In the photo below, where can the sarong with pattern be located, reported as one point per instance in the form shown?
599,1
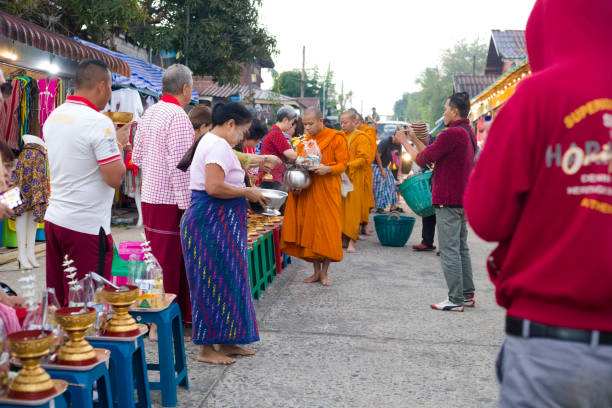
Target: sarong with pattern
213,237
384,188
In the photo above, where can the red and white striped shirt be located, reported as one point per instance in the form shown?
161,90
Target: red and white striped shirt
165,133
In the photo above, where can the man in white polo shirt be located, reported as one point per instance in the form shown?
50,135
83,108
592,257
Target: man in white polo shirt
86,166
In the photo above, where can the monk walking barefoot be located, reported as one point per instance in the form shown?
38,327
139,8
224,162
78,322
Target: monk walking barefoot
312,226
358,165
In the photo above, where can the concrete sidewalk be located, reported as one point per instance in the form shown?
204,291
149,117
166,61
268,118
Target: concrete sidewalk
371,340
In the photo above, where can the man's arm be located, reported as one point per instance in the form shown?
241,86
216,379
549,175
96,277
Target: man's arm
290,155
113,173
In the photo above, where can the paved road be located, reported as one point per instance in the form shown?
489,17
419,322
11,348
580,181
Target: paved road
371,340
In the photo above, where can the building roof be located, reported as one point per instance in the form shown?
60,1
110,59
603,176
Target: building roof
207,88
510,44
310,102
472,84
142,74
17,29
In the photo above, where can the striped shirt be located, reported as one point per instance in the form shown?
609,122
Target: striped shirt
165,133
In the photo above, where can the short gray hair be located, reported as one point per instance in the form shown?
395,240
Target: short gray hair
285,111
174,78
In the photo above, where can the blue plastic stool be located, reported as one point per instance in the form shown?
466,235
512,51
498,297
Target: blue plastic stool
82,395
286,260
128,372
172,367
57,402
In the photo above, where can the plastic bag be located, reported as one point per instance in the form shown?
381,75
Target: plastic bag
310,155
346,186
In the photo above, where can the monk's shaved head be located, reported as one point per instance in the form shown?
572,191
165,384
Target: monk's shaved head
351,113
313,121
314,111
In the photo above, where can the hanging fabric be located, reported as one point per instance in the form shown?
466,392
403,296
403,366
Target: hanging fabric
47,90
11,116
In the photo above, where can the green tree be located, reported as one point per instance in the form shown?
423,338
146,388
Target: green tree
436,83
288,83
93,20
214,37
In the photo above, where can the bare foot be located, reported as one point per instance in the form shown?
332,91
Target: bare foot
153,333
233,350
208,355
369,232
186,339
360,238
314,278
326,282
351,247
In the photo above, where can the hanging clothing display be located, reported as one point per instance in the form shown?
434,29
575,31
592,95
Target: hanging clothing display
11,116
31,176
126,100
47,88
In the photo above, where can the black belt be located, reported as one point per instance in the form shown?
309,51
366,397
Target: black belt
529,329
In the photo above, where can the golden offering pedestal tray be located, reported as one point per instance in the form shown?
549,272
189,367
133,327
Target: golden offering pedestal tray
122,324
76,321
32,381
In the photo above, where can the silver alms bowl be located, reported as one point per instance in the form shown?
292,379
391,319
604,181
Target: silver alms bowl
276,199
297,179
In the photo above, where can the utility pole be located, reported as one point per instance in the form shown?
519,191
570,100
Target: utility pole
342,97
303,71
325,91
473,65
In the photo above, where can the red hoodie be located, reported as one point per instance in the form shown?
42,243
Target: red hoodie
542,186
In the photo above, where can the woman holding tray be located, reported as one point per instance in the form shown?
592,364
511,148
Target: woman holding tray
214,241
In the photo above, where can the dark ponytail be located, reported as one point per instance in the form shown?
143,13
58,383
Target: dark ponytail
223,112
461,102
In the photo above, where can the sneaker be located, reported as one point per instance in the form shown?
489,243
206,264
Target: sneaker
470,302
447,306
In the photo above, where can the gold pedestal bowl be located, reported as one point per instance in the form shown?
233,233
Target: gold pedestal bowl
75,321
122,324
32,381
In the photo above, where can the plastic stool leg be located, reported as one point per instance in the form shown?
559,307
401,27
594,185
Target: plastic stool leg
180,360
141,376
166,366
105,396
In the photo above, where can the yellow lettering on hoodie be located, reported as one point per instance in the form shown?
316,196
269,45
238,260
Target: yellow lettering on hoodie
588,109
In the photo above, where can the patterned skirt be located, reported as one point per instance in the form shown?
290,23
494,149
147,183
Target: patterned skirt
213,237
384,188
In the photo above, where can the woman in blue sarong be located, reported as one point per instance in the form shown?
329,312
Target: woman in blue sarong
214,241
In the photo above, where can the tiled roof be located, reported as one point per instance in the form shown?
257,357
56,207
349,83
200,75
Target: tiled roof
25,32
510,43
472,84
206,87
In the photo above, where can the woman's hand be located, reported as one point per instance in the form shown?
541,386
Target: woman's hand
255,195
123,134
5,211
383,172
269,162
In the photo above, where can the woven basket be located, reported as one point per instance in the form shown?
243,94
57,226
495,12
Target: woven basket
417,192
393,229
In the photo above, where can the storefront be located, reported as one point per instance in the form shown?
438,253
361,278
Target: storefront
486,105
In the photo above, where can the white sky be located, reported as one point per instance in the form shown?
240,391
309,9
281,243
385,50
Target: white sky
379,47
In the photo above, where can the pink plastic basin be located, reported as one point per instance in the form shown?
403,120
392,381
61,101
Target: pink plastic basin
128,248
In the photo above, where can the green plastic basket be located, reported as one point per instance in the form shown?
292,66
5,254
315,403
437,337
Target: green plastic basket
393,229
417,192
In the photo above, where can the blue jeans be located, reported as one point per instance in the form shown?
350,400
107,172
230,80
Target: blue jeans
543,373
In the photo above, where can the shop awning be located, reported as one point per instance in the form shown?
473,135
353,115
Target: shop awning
19,30
143,75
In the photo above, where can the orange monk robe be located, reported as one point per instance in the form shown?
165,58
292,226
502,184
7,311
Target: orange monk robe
312,226
358,168
368,204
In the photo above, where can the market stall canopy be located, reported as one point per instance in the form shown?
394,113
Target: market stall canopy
25,34
143,74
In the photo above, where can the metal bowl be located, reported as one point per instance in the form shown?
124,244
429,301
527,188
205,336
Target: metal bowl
297,179
276,200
